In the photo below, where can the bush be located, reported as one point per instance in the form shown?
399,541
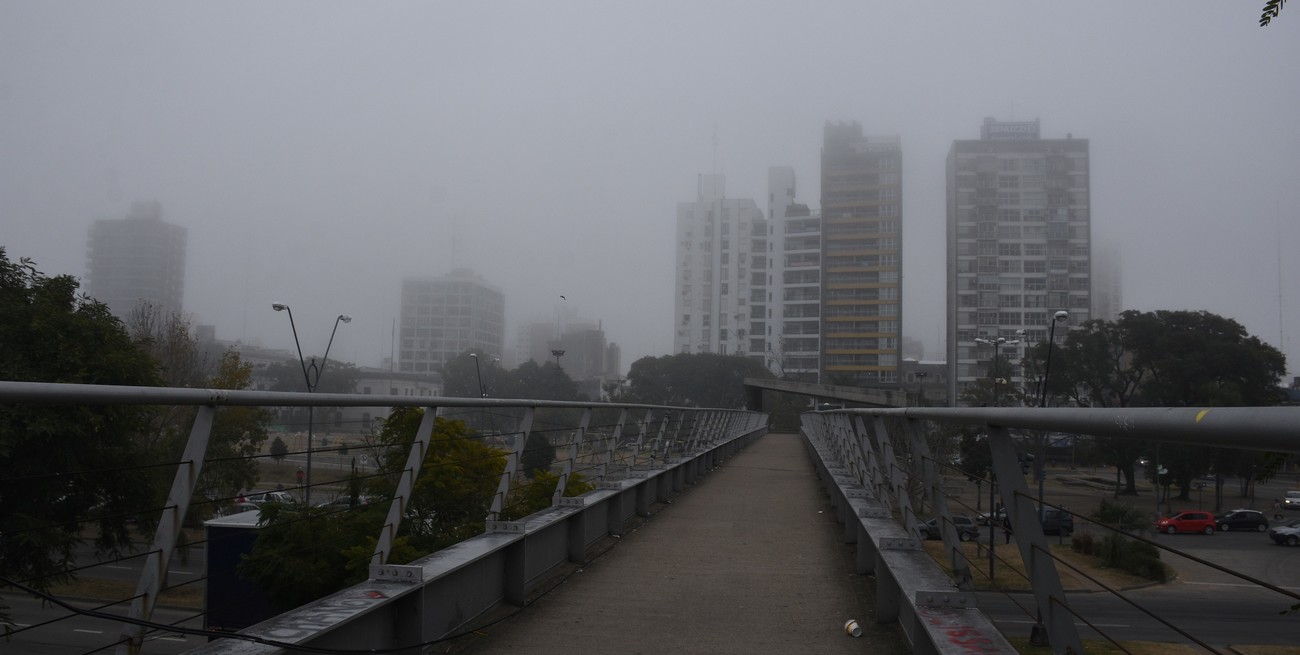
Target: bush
1140,559
1082,542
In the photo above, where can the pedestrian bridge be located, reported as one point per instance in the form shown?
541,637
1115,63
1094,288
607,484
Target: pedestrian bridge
704,533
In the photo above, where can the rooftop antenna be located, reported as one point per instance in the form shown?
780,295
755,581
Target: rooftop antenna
1281,325
715,149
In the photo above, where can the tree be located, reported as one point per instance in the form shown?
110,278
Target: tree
1271,9
976,461
693,380
459,476
538,455
279,450
63,465
237,435
1163,359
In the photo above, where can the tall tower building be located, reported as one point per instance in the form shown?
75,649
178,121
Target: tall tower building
137,259
445,317
861,257
1019,247
792,342
721,270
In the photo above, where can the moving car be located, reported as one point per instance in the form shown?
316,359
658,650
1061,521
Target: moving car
1287,534
967,530
1187,522
1242,519
1291,500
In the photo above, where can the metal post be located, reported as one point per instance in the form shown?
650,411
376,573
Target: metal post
154,572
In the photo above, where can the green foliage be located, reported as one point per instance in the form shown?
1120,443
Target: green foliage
453,493
1140,559
539,453
1121,516
304,553
693,380
50,490
1161,359
538,494
1271,9
237,435
279,450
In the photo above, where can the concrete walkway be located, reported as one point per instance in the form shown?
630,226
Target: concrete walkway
748,560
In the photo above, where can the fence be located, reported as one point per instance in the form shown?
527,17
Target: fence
876,465
627,457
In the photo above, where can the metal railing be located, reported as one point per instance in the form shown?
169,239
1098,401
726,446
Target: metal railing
876,465
632,455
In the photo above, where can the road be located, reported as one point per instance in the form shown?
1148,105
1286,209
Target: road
51,630
1214,606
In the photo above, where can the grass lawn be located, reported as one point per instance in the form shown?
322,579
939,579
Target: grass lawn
190,596
1009,569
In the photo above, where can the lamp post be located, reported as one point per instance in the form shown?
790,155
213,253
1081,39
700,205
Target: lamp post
920,388
311,376
482,391
997,347
558,353
1047,368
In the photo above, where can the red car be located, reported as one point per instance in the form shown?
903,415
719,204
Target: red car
1187,522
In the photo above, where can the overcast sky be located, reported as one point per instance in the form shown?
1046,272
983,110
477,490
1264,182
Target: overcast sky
318,152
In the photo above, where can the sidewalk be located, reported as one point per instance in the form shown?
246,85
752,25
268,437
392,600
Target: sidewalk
748,560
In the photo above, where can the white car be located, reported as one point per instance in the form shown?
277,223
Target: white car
270,497
1291,500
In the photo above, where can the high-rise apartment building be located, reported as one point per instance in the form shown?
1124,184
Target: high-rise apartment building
445,317
721,260
1019,247
861,257
137,259
791,340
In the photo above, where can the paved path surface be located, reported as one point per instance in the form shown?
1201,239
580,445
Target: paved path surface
748,560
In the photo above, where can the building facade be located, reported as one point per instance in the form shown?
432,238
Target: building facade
447,316
137,259
791,337
1019,248
721,258
861,257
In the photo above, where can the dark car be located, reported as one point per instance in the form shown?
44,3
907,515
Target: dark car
1056,521
967,529
1242,519
1287,534
1187,522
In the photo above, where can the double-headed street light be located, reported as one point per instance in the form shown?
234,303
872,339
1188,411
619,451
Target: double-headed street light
311,376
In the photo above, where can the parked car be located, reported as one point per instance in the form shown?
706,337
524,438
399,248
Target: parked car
239,508
345,502
1242,519
997,517
1287,534
1187,522
260,497
1056,521
1291,500
967,529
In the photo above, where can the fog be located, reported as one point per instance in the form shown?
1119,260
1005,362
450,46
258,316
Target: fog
318,152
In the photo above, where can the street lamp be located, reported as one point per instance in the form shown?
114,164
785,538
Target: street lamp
920,388
558,352
997,346
482,391
311,376
1047,368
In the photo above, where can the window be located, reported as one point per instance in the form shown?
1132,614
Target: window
1009,249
